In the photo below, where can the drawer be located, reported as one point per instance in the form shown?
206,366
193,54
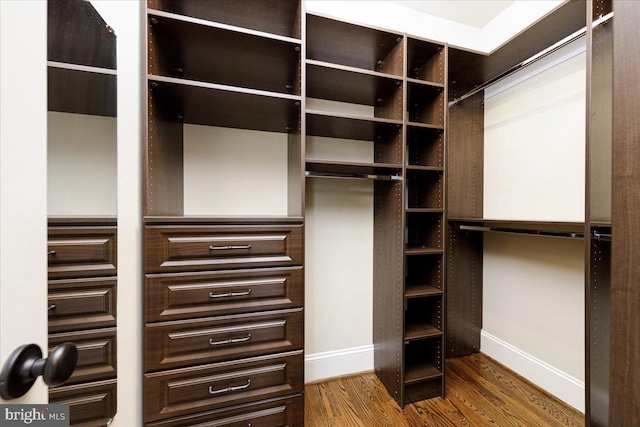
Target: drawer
82,251
184,248
81,304
181,343
189,390
92,404
186,295
96,353
288,411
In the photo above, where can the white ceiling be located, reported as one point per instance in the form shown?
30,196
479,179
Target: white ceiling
475,13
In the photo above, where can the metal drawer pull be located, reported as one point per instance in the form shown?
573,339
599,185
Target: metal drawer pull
230,340
230,389
228,248
230,294
51,252
51,307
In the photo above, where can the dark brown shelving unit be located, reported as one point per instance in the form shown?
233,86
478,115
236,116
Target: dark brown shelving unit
424,216
465,169
236,65
82,249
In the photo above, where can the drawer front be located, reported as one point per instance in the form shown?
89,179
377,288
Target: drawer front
181,296
186,391
287,411
96,353
81,304
181,343
82,251
92,404
183,248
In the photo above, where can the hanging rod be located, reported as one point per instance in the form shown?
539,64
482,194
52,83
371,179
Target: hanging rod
544,233
603,237
535,58
314,174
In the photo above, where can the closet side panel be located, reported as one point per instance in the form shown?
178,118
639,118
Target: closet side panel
388,330
625,289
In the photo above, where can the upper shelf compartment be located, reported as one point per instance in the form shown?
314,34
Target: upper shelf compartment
426,61
194,49
353,45
278,17
76,34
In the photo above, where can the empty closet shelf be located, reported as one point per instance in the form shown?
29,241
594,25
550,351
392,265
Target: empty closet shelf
418,331
383,171
421,372
335,125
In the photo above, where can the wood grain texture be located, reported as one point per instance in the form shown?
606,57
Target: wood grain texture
625,269
464,292
91,404
479,392
388,297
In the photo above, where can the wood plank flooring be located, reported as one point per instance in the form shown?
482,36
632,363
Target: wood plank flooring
479,392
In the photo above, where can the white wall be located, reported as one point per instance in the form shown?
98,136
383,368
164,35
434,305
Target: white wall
23,181
533,300
516,17
82,164
534,141
212,175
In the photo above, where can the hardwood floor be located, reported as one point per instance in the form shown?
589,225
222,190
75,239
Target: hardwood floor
479,392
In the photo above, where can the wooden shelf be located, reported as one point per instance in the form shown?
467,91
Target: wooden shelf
274,17
197,219
225,106
353,168
353,45
424,210
421,290
436,86
94,220
424,125
415,373
349,84
71,89
422,251
561,226
419,168
243,58
420,331
345,126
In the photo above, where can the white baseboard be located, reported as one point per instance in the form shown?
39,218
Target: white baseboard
329,364
565,387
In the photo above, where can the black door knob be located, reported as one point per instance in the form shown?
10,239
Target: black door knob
26,364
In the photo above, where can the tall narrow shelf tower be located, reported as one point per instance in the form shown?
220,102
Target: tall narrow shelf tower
224,282
424,216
